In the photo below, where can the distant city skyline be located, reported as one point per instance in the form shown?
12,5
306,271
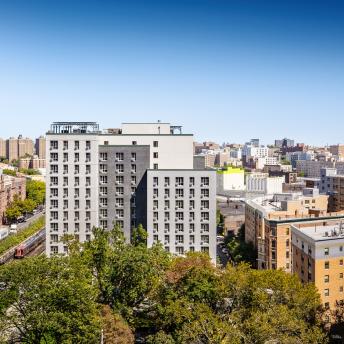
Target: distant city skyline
224,70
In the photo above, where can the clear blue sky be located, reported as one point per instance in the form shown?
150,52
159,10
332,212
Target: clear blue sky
225,70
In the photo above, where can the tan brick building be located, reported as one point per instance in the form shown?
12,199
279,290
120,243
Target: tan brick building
40,147
337,150
9,187
318,257
2,148
18,147
268,221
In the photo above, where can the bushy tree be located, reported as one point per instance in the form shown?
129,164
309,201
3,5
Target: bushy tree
48,300
35,190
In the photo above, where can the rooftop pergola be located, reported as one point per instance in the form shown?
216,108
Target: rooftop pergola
74,127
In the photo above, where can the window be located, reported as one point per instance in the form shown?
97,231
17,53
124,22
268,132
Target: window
155,144
205,204
76,145
205,227
76,157
192,204
119,168
103,179
119,202
54,157
167,192
205,239
54,203
119,191
119,156
180,250
167,239
192,239
76,181
103,191
341,262
119,213
133,168
167,181
133,156
88,145
179,193
341,248
119,180
54,169
179,239
180,204
192,192
54,238
205,181
53,145
327,265
326,251
327,292
326,278
155,192
179,181
180,227
103,168
54,192
88,157
106,143
341,289
134,143
103,156
103,202
341,275
204,192
155,167
192,181
179,215
204,216
155,181
155,155
167,204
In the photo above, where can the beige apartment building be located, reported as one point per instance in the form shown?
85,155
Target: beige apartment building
337,150
33,162
268,221
2,148
40,147
18,147
318,257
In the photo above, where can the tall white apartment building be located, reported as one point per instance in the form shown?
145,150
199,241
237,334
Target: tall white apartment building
102,178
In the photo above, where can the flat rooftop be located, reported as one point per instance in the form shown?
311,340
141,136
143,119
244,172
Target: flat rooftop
321,233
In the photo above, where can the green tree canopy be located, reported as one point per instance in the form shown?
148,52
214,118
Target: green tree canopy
48,301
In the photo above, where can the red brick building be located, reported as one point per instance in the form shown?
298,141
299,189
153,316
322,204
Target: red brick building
9,187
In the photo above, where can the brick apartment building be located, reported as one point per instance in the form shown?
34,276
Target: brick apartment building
9,187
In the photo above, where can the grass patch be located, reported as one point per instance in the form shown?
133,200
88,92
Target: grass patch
16,239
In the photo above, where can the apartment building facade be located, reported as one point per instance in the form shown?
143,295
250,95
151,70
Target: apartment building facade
9,188
181,210
318,257
100,178
268,221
